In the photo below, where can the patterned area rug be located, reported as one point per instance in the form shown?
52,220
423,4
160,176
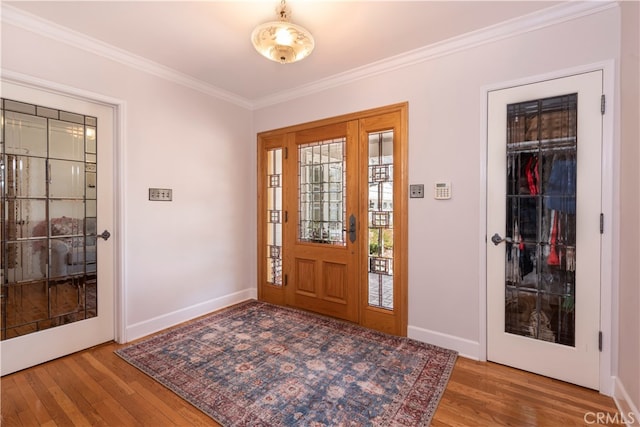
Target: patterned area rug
257,364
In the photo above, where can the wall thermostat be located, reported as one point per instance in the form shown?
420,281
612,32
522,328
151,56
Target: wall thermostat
442,190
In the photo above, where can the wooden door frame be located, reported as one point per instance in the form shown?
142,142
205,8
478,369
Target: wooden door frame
280,138
610,199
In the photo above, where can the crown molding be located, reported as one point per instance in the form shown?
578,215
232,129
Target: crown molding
35,24
554,15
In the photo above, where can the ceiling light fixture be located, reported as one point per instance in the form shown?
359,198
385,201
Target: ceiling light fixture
282,41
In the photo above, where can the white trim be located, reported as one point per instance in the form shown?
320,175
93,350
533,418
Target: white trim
544,18
159,323
560,13
121,223
49,29
625,404
465,347
610,258
482,226
609,197
119,159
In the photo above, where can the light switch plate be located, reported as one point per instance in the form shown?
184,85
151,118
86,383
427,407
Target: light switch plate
160,194
416,191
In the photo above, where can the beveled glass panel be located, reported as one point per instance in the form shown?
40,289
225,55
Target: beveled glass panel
66,217
274,216
541,219
46,258
25,304
66,140
91,254
90,141
91,298
66,257
66,179
91,190
26,260
66,298
91,225
20,107
25,177
322,192
380,220
72,117
92,208
47,112
25,134
25,218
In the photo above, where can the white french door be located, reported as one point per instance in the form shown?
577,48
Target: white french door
543,222
57,164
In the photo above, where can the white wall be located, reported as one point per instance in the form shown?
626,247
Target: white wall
189,256
198,252
629,315
445,142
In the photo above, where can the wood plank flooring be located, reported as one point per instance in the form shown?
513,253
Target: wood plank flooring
97,388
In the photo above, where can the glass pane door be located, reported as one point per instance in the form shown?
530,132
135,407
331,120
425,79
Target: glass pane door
541,254
48,220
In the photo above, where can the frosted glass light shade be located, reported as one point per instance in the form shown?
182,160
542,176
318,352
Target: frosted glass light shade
282,41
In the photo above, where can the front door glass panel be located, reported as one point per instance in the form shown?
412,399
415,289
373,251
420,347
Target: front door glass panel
322,192
540,286
48,218
274,217
380,219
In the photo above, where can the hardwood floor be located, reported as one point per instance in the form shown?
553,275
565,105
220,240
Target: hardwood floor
97,388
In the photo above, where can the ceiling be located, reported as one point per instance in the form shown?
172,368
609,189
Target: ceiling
210,40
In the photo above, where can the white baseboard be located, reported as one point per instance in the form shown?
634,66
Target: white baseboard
147,327
464,347
628,410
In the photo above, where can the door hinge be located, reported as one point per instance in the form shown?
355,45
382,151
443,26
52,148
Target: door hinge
285,280
285,152
603,103
286,216
600,340
601,223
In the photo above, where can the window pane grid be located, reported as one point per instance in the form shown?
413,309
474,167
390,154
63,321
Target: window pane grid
380,220
322,192
540,287
274,217
48,218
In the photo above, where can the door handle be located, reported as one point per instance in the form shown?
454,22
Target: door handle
496,239
352,228
105,235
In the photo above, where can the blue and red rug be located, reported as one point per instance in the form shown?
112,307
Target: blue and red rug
257,364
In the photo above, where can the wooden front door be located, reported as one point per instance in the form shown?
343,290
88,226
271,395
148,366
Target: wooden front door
332,223
321,231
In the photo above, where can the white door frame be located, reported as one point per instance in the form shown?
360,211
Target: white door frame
119,108
610,199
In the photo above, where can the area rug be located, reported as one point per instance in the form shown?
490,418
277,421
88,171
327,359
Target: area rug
257,364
